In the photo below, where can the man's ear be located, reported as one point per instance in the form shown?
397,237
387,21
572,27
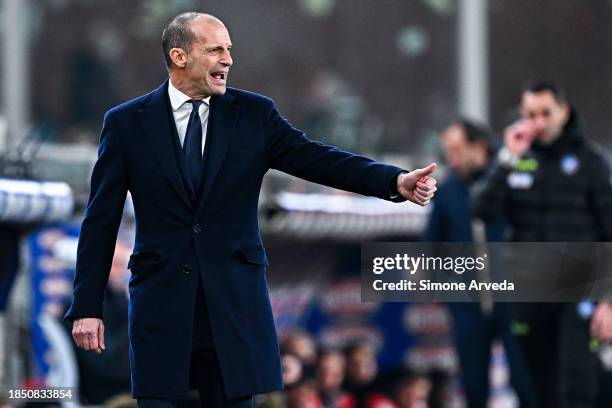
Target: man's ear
178,57
477,154
566,111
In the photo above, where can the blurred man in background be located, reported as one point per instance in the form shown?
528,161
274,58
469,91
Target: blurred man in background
551,185
466,152
467,148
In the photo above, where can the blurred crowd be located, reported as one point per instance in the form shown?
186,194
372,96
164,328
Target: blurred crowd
346,378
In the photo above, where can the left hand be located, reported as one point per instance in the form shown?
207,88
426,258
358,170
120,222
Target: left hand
417,186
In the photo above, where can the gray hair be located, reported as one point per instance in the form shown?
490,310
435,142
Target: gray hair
178,33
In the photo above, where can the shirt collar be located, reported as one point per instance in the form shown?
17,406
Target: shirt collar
178,99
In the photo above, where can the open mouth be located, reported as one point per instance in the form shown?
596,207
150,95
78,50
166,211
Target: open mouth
219,76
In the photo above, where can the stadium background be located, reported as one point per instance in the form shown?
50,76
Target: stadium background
380,78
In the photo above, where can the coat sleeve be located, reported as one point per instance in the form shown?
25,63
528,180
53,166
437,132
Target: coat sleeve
600,196
98,234
489,199
290,151
436,224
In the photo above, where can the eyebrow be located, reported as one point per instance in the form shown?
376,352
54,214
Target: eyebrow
216,47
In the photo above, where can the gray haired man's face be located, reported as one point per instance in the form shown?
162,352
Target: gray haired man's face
209,60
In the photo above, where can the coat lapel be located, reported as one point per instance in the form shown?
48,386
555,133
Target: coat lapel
221,125
155,119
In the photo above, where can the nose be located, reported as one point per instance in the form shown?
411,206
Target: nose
540,123
226,59
452,160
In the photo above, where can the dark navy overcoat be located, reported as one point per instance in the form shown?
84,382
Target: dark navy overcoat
216,235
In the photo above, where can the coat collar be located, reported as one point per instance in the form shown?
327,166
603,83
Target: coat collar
156,120
178,99
224,111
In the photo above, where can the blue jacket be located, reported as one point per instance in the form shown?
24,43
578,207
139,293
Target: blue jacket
451,216
216,235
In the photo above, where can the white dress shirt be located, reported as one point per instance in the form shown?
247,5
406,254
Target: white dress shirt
181,109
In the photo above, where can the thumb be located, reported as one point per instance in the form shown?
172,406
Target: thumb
101,336
426,171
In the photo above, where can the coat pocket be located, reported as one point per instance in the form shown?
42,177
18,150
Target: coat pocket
254,255
141,258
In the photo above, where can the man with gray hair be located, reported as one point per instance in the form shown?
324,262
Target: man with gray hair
193,154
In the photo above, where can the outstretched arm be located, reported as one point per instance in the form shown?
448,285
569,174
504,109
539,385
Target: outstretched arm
289,150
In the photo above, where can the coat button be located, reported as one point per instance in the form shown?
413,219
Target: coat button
197,228
186,269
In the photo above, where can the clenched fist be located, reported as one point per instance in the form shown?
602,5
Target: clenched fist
519,136
417,186
88,334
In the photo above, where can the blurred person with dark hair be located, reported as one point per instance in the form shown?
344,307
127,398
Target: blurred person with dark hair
361,365
301,344
569,174
552,185
413,391
303,395
193,154
467,150
361,375
330,374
